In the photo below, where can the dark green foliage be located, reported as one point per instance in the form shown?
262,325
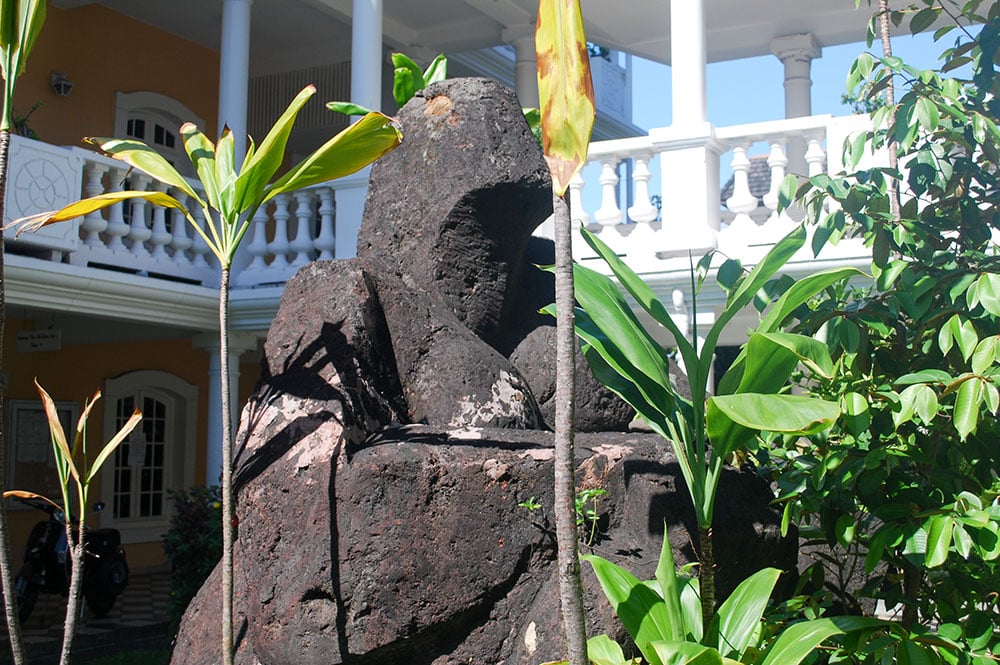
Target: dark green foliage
193,544
910,474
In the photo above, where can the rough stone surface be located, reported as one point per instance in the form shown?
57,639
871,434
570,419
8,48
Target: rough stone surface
460,228
597,408
427,558
451,377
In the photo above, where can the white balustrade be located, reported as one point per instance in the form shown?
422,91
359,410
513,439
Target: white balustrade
326,239
302,244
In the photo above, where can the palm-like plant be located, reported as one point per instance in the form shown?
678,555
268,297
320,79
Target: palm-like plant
20,24
232,194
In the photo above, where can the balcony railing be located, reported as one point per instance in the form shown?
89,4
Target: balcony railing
616,197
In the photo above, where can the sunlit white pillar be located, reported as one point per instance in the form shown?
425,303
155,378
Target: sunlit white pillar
796,53
366,54
688,59
525,64
239,343
234,71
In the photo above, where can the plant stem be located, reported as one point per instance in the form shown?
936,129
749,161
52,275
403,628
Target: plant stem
6,566
75,584
567,557
227,472
706,574
890,101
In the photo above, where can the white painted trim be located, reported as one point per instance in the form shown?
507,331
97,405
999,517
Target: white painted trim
145,100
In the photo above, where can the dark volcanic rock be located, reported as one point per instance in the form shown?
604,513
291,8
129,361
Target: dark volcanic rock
429,559
460,228
597,408
450,377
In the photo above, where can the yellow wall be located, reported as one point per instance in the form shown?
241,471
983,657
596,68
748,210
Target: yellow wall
103,52
74,372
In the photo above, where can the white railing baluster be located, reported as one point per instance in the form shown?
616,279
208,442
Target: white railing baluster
159,237
93,223
643,210
138,232
326,239
180,235
302,244
279,246
777,160
815,157
257,247
609,214
117,228
576,209
199,248
742,202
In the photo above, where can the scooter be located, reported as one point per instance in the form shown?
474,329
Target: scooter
47,566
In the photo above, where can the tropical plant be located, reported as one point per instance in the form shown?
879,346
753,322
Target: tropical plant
193,544
234,193
76,472
407,79
20,24
751,397
910,473
566,93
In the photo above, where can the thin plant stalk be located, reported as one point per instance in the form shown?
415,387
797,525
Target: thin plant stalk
228,510
568,556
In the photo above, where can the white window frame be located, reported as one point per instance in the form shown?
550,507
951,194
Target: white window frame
156,107
179,458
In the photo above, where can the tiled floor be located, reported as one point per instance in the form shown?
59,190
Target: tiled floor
139,618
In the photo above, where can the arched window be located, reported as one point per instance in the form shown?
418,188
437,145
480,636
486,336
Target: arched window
155,119
157,456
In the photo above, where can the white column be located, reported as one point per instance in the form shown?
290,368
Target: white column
234,71
796,53
525,64
687,63
239,343
366,54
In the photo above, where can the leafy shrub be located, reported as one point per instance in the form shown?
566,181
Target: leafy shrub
193,544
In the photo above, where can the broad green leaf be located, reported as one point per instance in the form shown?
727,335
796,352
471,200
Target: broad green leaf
113,444
799,640
639,608
666,576
858,416
437,70
939,529
786,191
739,617
986,354
93,204
691,607
924,376
260,167
962,332
20,24
844,529
351,150
785,414
201,152
967,400
565,89
685,653
225,176
407,78
139,155
989,292
602,650
920,399
81,424
347,108
642,294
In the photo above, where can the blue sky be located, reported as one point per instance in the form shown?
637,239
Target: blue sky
751,90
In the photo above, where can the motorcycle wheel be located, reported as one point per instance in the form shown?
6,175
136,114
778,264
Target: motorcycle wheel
113,576
27,592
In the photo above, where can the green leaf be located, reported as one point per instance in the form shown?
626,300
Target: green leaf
564,88
639,608
922,20
602,650
966,412
930,375
93,204
939,529
786,414
347,108
986,354
857,415
739,617
60,445
407,78
845,529
139,155
201,152
666,577
797,641
927,114
113,444
989,292
351,150
20,24
225,176
437,70
260,167
786,191
686,653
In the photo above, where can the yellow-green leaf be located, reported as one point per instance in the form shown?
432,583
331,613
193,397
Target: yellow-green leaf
201,152
225,174
56,430
351,150
115,441
81,423
139,155
565,89
87,206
